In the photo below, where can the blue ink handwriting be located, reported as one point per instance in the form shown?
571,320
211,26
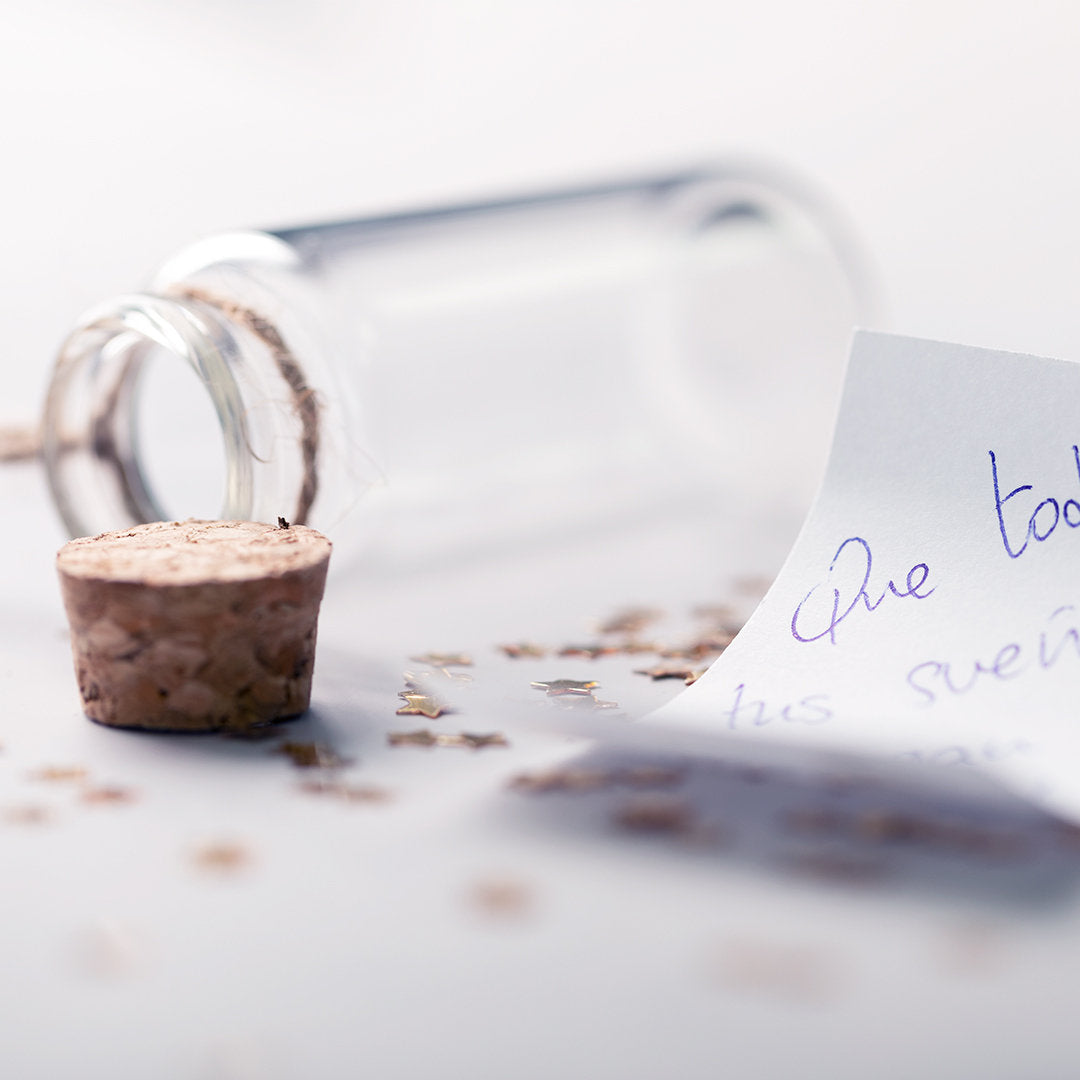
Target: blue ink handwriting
1043,520
825,613
934,679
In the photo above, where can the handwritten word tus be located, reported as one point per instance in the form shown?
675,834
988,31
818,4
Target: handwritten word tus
1043,520
823,608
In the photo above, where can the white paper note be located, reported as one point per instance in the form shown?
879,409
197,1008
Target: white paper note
930,608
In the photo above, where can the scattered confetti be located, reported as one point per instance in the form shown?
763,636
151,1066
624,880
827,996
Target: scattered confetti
701,648
589,652
19,444
753,585
466,739
579,778
523,650
107,795
417,680
29,814
650,776
715,613
630,621
418,704
311,755
222,856
501,897
352,793
655,814
634,647
666,671
60,774
444,660
587,700
557,687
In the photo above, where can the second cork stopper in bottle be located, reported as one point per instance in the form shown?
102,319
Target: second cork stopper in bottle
194,625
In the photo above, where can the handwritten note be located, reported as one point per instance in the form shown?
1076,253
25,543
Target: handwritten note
930,608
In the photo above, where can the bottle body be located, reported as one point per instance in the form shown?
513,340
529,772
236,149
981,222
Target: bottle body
467,376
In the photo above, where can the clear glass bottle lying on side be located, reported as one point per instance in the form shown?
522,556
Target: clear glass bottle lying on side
472,375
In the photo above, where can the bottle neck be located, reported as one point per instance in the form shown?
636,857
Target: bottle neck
124,383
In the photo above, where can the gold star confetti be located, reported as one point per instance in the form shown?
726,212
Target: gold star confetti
666,671
19,444
98,796
465,739
474,741
633,647
650,776
61,774
524,650
630,620
709,646
311,755
444,660
352,793
571,778
577,778
501,897
655,814
221,857
557,687
417,680
589,652
587,700
715,613
753,584
418,704
28,814
423,737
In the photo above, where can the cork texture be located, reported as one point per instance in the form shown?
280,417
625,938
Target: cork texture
195,625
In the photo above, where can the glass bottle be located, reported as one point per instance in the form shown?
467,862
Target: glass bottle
468,376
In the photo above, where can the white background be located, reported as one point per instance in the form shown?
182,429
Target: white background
944,131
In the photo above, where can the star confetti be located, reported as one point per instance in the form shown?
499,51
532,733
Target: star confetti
630,620
101,796
524,650
420,704
310,755
590,652
59,773
417,680
558,687
351,793
465,739
221,857
666,671
588,700
444,660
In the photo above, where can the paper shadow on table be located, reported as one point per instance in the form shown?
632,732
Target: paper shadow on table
911,828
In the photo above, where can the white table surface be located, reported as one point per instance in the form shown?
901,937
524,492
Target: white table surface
351,941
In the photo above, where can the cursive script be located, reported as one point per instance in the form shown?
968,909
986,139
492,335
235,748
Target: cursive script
819,614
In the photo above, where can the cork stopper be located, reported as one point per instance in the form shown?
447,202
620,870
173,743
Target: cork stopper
194,625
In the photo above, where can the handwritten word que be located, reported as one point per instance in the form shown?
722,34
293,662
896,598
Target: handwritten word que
1043,520
823,608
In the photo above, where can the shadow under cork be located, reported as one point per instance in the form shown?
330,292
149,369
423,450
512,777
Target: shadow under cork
855,830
